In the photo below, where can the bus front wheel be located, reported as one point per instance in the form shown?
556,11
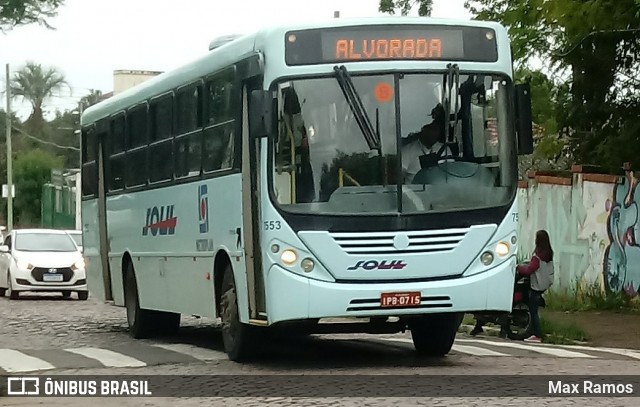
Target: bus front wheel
433,335
144,323
236,336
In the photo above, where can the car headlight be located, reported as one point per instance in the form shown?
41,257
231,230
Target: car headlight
24,264
78,264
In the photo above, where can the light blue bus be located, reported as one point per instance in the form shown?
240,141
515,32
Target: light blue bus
361,170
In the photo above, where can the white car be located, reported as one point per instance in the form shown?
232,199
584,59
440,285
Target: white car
41,260
77,237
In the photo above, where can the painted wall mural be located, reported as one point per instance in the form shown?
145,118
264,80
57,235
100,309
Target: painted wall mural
594,225
622,256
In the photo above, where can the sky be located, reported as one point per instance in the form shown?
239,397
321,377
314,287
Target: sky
92,38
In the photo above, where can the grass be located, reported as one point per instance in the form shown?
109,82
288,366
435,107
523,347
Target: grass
558,333
590,298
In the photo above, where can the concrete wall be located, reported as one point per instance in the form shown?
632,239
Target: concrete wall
592,220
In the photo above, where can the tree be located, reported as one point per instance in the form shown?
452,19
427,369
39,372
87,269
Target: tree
32,169
596,43
94,96
20,12
404,6
36,84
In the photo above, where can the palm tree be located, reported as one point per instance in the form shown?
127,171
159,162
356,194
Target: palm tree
36,84
94,96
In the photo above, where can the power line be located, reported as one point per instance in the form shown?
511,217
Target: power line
51,143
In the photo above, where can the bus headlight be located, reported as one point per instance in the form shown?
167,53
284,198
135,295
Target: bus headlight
289,257
486,258
502,249
307,265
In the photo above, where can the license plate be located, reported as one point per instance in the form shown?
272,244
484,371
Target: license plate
388,300
52,277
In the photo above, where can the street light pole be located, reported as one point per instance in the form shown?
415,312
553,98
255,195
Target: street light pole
9,158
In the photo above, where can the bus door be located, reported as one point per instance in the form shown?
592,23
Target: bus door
103,165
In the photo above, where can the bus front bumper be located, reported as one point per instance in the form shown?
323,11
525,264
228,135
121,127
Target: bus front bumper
293,297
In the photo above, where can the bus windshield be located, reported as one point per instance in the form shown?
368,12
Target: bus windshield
325,162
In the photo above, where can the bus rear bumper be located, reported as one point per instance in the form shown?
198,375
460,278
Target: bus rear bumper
294,297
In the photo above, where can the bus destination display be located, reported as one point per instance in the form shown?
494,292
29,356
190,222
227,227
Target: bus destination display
375,43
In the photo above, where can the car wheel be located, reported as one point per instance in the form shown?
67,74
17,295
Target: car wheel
14,295
83,295
66,294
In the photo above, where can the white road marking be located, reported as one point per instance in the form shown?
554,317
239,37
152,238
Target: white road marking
477,351
203,354
14,361
470,350
107,357
562,353
618,351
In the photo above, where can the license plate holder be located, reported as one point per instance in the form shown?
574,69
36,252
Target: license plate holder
404,299
53,278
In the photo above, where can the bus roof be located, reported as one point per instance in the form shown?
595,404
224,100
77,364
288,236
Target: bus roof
243,46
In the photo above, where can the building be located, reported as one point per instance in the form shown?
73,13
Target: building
125,79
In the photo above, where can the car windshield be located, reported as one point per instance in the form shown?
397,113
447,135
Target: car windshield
325,161
77,237
44,242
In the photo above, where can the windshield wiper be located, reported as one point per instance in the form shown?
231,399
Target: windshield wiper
451,78
371,136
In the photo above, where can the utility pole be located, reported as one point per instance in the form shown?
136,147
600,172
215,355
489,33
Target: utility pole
9,158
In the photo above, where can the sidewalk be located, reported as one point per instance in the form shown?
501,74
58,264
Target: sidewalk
604,328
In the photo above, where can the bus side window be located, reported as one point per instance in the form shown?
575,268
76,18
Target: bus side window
89,165
116,146
136,170
222,112
188,141
161,143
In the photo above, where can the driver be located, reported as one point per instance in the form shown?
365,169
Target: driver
427,142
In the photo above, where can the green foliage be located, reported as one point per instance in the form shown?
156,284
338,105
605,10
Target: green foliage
588,298
564,333
404,6
20,12
32,169
593,43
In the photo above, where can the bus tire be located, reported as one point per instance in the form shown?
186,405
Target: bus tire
141,321
433,335
236,336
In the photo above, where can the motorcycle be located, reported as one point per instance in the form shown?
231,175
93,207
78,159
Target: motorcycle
515,325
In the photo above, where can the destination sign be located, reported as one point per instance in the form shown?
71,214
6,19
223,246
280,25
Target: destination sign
397,42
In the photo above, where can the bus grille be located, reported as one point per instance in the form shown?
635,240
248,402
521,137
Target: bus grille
432,241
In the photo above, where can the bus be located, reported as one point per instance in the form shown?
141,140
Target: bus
349,176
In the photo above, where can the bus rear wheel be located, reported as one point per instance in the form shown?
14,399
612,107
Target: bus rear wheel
144,323
236,336
433,335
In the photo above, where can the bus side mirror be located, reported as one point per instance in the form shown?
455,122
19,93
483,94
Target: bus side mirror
259,113
524,126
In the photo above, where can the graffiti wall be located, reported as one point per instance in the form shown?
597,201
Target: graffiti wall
622,256
593,222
